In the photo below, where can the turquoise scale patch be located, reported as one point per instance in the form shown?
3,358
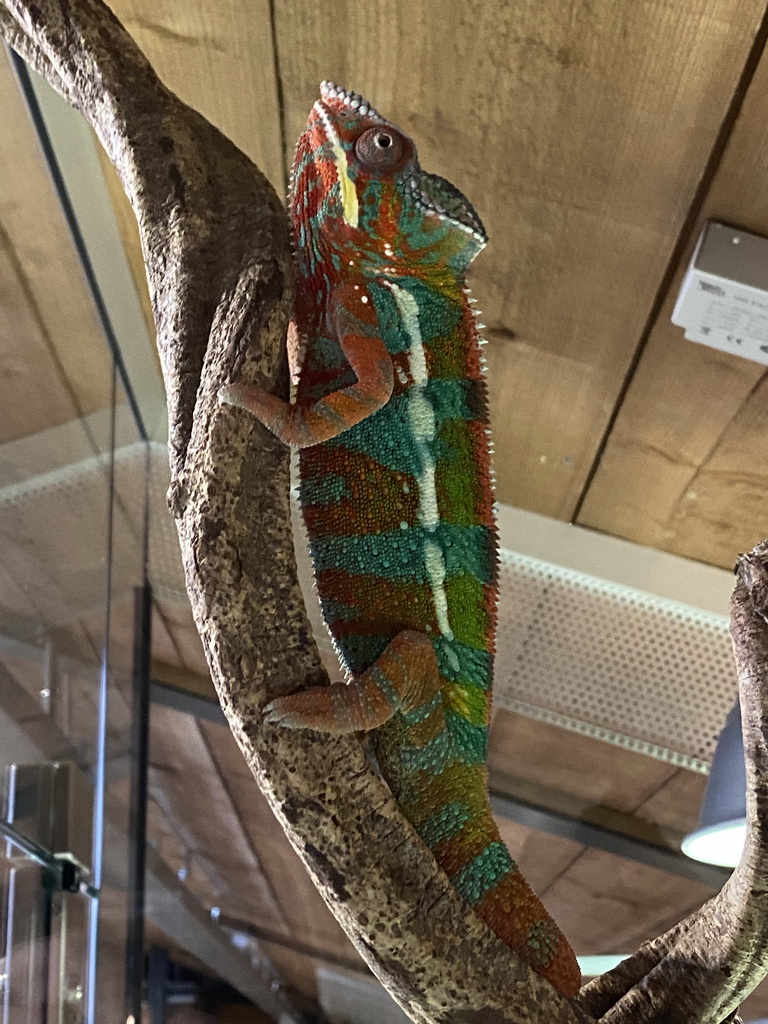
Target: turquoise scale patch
393,333
361,650
470,741
459,663
370,203
386,437
434,757
384,684
325,353
483,873
542,943
444,824
337,611
423,711
399,554
439,316
448,397
324,490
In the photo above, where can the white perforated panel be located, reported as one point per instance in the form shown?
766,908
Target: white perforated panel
615,663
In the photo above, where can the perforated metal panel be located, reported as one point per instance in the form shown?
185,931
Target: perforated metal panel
640,671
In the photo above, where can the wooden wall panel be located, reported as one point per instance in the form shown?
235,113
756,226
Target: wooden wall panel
588,771
580,133
606,904
685,468
187,786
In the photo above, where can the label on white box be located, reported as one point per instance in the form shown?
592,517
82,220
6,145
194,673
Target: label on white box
724,315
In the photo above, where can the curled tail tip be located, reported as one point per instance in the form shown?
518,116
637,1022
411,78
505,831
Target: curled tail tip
564,972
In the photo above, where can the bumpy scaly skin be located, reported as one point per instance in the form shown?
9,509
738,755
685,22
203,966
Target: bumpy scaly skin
392,420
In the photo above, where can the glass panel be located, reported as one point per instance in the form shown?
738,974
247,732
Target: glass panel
127,540
72,511
25,921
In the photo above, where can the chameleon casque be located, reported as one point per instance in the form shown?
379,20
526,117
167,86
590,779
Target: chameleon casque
396,490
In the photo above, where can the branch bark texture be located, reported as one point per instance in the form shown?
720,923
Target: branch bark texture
215,243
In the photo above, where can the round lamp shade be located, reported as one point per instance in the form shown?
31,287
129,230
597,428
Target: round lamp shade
719,839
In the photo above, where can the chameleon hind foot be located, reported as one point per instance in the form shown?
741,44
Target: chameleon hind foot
403,678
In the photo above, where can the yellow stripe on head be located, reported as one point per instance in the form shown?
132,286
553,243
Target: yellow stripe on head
346,184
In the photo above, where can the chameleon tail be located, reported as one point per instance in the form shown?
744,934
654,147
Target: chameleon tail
444,797
466,843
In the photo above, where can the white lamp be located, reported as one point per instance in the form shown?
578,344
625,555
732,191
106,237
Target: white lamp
719,839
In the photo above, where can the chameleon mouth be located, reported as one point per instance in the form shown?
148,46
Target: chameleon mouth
434,194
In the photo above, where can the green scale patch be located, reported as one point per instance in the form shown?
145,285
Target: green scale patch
439,314
461,663
444,824
483,873
400,554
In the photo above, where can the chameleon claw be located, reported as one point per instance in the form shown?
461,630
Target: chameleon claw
232,394
276,713
272,713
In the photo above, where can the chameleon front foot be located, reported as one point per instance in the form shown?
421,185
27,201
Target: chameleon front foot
403,678
250,397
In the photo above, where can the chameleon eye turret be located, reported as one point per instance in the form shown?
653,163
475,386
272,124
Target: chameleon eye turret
380,149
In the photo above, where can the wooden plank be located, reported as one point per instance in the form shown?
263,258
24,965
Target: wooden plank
55,362
589,771
627,902
684,468
675,806
218,57
581,141
183,679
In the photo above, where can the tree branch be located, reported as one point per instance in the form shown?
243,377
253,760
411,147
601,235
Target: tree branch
702,968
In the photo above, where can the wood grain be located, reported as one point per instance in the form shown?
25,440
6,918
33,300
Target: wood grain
606,904
684,469
580,134
589,771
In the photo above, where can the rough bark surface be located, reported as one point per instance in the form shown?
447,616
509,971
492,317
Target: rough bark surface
216,249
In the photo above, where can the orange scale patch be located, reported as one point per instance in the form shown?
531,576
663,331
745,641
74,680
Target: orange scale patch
375,502
387,605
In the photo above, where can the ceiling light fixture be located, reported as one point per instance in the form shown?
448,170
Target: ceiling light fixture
719,839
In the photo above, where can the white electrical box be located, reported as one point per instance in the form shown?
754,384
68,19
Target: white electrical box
723,302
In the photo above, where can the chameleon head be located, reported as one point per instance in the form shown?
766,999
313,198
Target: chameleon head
358,189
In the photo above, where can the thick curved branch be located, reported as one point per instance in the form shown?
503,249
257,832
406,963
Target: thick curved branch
702,968
216,249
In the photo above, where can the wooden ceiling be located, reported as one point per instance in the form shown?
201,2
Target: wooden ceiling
594,138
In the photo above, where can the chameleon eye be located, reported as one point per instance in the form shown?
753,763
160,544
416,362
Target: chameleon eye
380,149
